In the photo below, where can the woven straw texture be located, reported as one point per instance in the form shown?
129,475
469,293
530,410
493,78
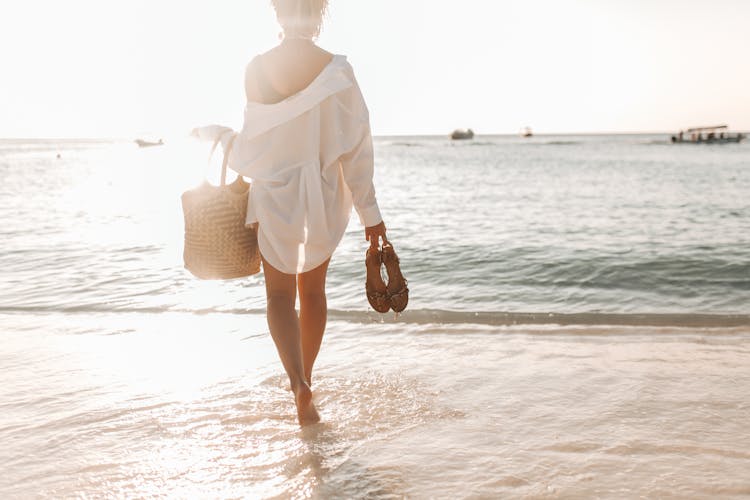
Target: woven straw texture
217,243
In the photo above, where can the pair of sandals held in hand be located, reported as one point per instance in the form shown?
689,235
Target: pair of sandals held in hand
382,296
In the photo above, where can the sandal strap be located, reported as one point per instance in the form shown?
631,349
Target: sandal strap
404,291
374,295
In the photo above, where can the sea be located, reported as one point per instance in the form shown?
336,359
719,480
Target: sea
578,327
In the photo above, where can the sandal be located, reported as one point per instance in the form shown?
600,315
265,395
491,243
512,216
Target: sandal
377,292
398,292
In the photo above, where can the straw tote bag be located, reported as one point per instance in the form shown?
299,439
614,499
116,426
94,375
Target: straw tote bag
217,243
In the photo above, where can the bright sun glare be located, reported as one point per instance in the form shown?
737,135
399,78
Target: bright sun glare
88,68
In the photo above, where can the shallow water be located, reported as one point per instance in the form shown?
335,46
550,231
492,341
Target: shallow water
175,404
578,327
573,224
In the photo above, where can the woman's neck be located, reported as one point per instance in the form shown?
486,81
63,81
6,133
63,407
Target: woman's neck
297,38
296,44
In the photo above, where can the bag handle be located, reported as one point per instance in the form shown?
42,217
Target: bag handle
225,160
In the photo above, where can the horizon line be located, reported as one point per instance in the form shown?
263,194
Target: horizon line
476,134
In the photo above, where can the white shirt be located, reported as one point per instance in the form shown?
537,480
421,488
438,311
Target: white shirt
310,159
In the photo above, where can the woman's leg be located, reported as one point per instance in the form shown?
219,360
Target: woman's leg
284,326
313,313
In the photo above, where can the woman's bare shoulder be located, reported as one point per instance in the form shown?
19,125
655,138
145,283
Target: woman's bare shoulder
287,70
252,92
324,52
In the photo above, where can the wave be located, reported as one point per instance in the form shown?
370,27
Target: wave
425,316
436,316
470,143
404,144
557,143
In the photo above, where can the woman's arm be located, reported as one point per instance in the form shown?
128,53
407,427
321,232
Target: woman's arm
212,132
358,168
358,164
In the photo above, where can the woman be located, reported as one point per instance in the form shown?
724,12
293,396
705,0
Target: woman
307,146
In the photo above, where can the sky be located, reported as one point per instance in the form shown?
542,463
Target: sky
93,68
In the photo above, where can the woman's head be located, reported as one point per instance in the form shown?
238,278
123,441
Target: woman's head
300,18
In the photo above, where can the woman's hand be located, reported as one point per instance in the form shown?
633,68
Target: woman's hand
374,233
211,132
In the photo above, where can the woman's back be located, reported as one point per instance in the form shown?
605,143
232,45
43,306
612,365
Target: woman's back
284,71
309,154
306,144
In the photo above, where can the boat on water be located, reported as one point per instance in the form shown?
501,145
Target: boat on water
460,134
526,132
146,144
718,134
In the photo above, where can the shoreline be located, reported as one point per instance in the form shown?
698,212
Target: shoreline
614,322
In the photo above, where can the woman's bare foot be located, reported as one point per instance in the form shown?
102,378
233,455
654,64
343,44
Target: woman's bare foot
306,412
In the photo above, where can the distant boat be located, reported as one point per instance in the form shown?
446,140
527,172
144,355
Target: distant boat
718,134
460,134
526,132
146,144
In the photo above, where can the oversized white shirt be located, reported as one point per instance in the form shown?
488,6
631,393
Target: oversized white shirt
310,159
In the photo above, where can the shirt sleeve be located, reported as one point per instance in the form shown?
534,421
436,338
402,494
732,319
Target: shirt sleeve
358,167
358,164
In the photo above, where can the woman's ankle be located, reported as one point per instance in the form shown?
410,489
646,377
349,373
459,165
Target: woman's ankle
298,383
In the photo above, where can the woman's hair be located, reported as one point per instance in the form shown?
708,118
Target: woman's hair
300,18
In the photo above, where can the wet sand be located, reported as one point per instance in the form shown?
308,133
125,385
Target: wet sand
184,405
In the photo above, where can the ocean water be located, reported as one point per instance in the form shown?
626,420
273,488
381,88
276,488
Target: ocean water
578,325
